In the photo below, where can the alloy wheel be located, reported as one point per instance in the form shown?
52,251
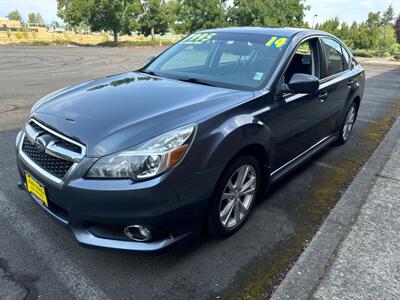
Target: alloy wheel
349,122
237,197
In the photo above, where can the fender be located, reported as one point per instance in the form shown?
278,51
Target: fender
243,130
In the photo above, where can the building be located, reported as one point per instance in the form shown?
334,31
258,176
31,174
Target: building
6,24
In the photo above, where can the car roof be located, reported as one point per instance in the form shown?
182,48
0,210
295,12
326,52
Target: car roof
279,31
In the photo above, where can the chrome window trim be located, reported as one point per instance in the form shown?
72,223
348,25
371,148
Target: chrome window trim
40,170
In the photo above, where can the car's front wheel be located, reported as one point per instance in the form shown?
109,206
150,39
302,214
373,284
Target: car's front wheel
348,124
234,196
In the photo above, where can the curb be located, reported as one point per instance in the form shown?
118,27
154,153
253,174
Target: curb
304,277
383,63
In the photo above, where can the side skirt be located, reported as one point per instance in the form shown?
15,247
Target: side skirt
302,158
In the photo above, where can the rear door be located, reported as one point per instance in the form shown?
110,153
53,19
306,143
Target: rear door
335,85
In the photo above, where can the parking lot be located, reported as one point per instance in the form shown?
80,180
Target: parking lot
41,258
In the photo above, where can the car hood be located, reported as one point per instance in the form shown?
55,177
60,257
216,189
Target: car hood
120,111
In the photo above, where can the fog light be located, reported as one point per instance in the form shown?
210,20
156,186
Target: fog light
138,233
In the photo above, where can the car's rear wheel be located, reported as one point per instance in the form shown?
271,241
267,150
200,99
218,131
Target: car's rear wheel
348,124
234,196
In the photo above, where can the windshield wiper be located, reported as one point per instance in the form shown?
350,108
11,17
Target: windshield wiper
148,72
195,80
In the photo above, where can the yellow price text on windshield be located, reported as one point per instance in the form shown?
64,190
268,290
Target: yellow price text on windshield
198,38
276,42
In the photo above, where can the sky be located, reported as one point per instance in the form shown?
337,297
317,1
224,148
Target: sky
346,10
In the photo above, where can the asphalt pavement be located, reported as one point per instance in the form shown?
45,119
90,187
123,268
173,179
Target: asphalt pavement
40,258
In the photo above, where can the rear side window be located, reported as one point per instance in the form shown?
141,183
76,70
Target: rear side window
333,56
346,58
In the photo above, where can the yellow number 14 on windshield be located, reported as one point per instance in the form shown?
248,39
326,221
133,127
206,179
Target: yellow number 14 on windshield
275,41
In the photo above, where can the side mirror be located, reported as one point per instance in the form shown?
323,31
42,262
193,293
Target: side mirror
303,83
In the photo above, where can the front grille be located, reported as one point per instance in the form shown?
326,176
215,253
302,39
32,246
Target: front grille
55,166
69,145
55,146
65,143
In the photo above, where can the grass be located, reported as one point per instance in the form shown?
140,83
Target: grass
44,38
369,53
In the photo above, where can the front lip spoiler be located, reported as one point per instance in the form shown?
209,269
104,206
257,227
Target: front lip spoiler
85,238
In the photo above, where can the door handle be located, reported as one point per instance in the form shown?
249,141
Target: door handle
323,96
350,82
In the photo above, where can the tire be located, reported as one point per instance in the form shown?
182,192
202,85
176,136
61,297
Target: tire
348,124
230,208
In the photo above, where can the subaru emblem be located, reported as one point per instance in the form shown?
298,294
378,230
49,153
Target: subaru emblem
40,144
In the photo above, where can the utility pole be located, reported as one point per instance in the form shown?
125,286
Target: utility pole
313,20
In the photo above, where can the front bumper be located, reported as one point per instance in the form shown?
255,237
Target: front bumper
174,205
87,239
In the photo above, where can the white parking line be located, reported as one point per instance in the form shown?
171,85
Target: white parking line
67,273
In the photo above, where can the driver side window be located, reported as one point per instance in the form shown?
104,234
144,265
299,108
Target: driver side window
303,61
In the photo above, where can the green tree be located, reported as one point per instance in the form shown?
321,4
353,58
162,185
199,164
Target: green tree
155,18
35,19
55,25
32,18
192,15
362,39
344,33
118,16
377,35
387,38
268,13
388,16
331,26
14,15
373,24
74,11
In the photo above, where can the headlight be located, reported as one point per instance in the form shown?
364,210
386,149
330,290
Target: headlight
148,159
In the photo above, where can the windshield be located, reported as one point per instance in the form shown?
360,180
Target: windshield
242,61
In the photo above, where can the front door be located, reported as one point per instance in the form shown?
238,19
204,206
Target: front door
295,121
